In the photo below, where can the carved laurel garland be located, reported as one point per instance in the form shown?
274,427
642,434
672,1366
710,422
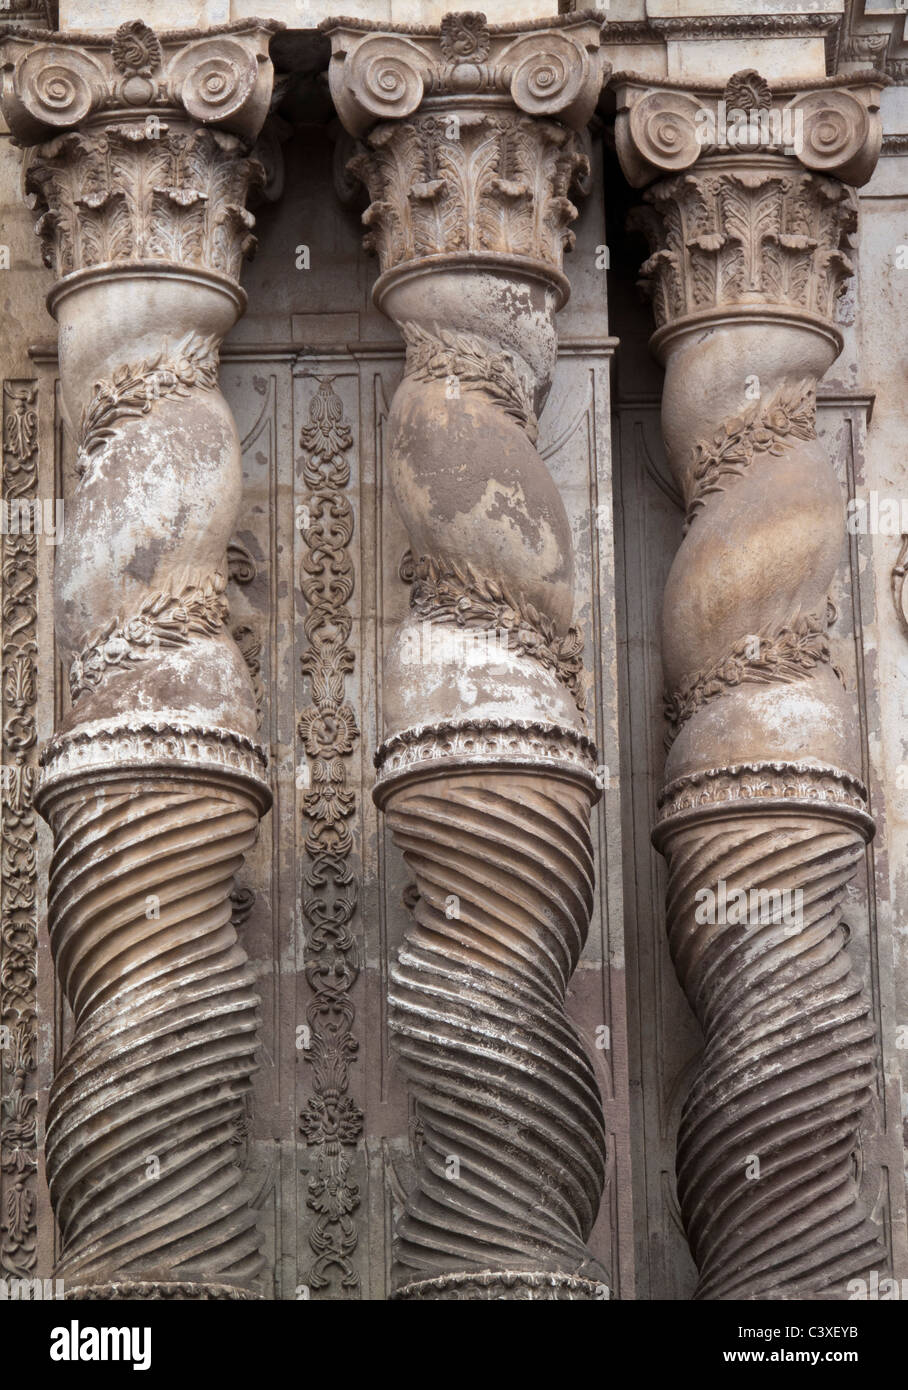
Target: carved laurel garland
167,618
474,364
18,904
332,1122
132,390
787,654
768,427
443,591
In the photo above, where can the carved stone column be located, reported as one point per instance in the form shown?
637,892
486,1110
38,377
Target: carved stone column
471,141
153,783
762,818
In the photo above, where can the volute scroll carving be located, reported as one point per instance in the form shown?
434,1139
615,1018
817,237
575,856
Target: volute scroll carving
154,781
487,775
833,128
763,818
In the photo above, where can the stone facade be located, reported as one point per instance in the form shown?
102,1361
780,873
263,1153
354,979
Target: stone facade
454,789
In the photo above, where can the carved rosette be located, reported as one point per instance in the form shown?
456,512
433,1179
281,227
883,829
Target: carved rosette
763,819
139,169
471,144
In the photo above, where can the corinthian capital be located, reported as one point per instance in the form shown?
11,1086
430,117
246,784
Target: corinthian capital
142,145
472,140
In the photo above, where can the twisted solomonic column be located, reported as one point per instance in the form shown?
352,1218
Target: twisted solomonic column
762,818
469,148
153,783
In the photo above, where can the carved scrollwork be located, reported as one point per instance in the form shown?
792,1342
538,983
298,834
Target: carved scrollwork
222,77
18,846
332,1120
464,37
839,134
215,79
136,49
661,133
836,129
554,71
552,76
385,73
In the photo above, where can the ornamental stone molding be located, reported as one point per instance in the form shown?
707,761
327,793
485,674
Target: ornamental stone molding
749,255
139,168
471,143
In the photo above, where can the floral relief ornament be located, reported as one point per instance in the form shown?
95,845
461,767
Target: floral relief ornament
136,50
465,37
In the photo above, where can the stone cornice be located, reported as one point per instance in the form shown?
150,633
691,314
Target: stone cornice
387,74
55,82
829,128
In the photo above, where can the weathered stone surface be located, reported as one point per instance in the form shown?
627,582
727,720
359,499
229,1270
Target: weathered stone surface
153,783
466,1037
750,249
469,215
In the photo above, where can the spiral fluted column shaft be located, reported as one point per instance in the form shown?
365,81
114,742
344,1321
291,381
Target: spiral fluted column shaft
153,783
762,818
147,1108
470,148
501,1080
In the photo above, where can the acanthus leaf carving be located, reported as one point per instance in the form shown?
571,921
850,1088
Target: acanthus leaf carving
139,192
498,182
747,236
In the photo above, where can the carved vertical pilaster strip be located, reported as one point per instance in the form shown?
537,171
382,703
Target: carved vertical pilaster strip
153,782
332,1122
762,818
470,144
19,840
